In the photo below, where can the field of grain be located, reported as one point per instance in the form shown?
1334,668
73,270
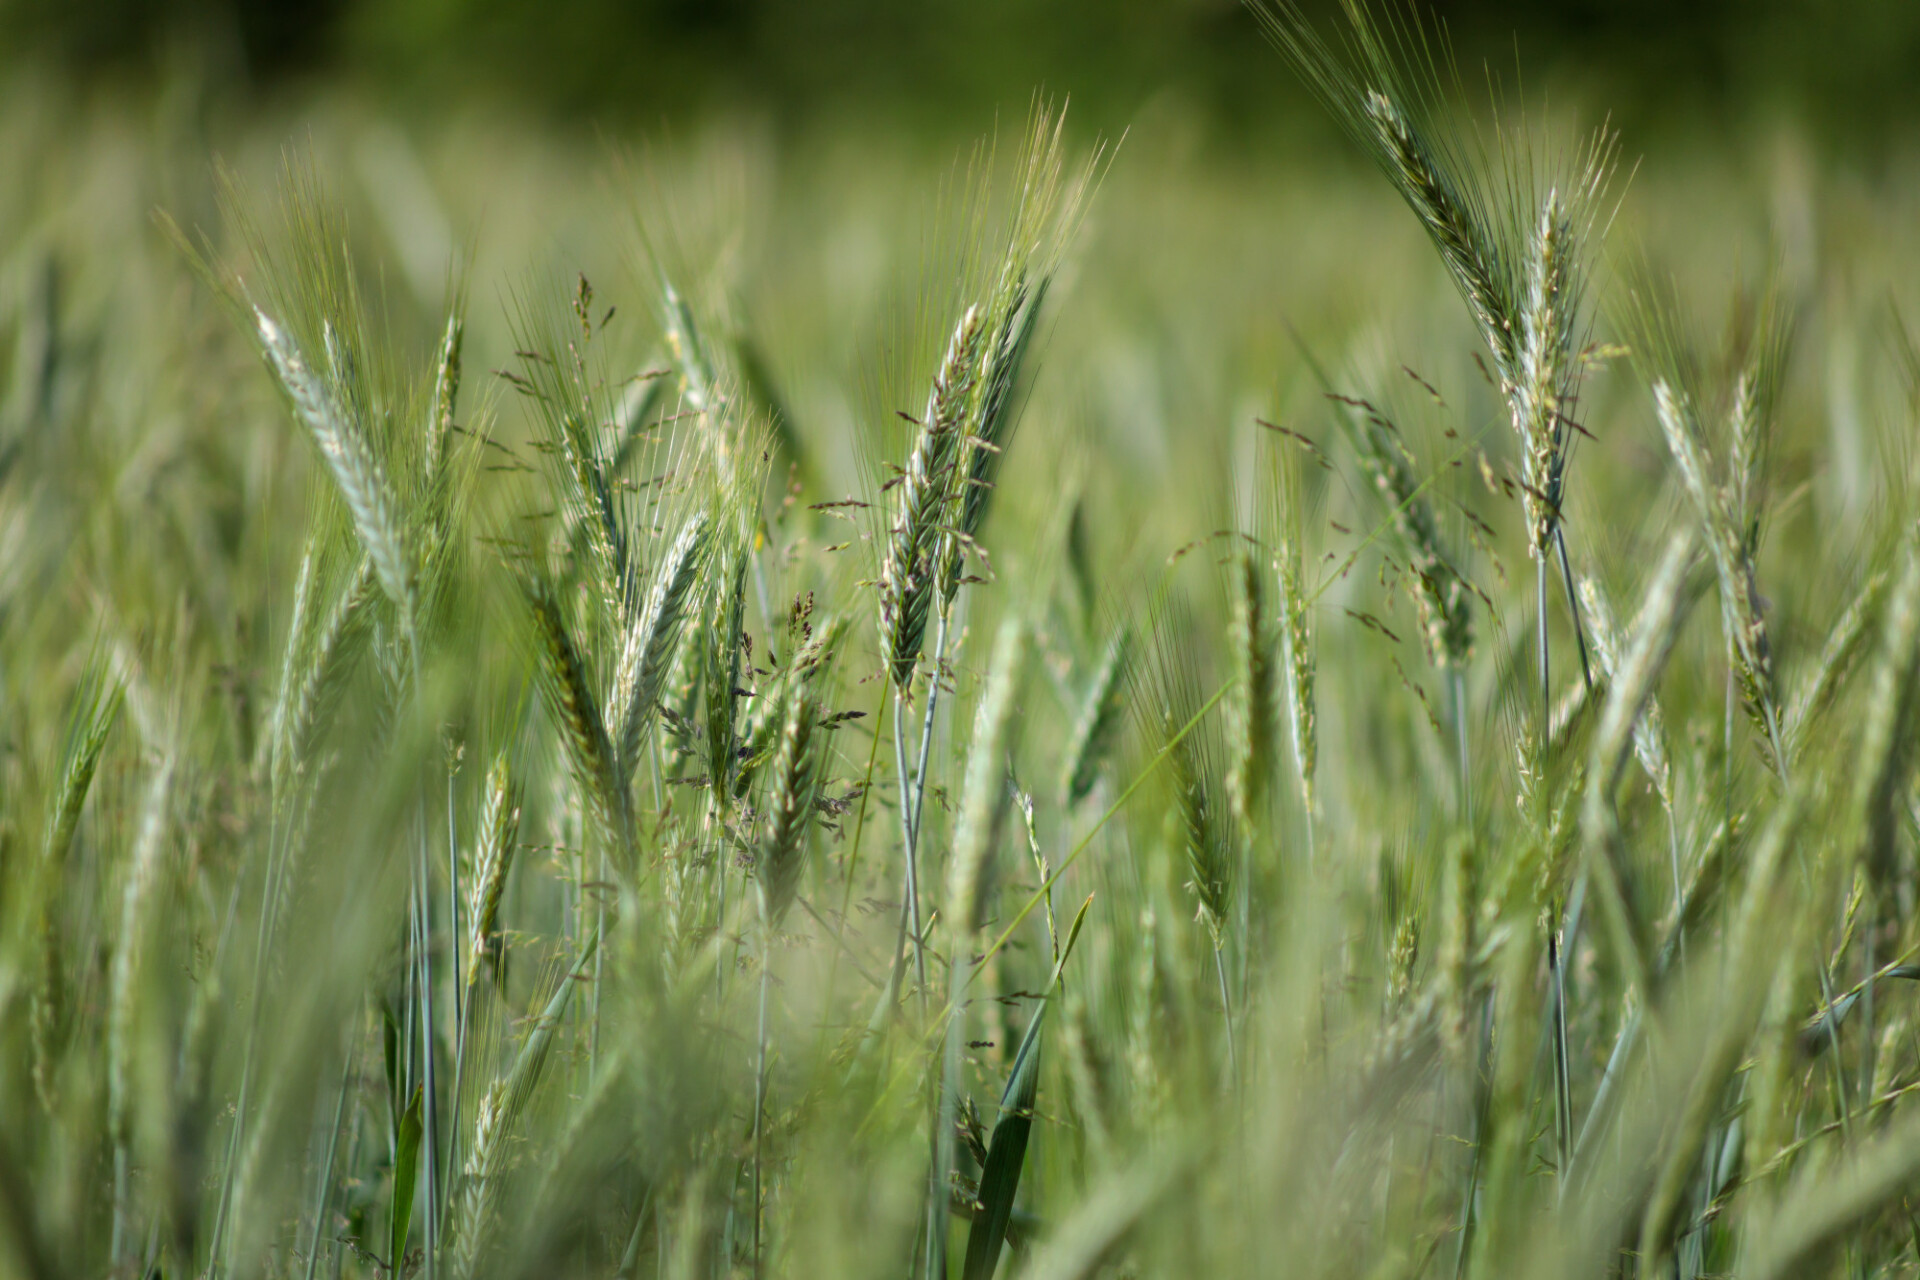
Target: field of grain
742,705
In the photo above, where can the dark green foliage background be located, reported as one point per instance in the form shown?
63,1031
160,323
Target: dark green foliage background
1659,66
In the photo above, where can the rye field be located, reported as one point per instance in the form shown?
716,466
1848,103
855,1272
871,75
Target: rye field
722,706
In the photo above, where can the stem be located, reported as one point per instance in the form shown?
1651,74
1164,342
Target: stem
926,722
430,1135
269,892
599,928
1562,1102
760,1094
1467,1215
1562,1094
326,1171
1622,1045
912,808
1226,1013
910,915
943,1121
459,988
1573,606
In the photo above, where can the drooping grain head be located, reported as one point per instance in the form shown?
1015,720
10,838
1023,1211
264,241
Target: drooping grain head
355,468
576,711
1466,245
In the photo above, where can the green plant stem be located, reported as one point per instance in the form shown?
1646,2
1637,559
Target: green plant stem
913,805
326,1168
1573,605
277,835
910,914
429,1145
945,1116
760,1095
1562,1103
1226,1014
459,987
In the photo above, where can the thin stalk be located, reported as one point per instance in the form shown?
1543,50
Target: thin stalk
1562,1092
600,928
1573,606
1226,1014
926,722
1866,1004
912,807
945,1113
910,916
1623,1044
1562,1102
326,1169
631,1254
1468,1217
459,987
760,1098
269,891
430,1127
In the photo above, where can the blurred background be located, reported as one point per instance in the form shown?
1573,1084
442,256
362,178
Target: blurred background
1664,68
797,165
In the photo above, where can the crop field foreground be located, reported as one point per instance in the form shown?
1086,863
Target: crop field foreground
1081,709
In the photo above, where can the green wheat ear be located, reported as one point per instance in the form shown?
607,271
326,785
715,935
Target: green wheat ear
923,507
1102,713
798,765
1254,706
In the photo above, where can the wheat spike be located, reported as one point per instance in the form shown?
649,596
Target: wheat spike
499,838
796,781
1254,707
1101,712
1297,637
570,696
356,471
446,391
647,650
922,510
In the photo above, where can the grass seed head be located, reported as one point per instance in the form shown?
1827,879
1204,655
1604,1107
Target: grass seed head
796,778
923,507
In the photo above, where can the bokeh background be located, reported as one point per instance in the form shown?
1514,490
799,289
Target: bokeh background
1673,68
